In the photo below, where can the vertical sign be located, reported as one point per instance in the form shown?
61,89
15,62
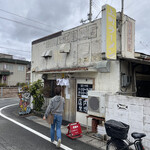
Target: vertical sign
82,97
129,36
109,31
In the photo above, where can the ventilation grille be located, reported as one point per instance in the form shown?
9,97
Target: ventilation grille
93,104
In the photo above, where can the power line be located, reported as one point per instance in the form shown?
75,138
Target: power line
15,49
98,14
132,4
24,24
139,38
29,19
96,6
143,45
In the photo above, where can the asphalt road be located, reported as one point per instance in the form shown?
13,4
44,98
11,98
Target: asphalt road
15,136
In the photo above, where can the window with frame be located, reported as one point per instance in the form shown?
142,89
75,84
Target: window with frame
9,67
20,68
1,66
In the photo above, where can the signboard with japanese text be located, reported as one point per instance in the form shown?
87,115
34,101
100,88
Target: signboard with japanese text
62,82
82,97
109,31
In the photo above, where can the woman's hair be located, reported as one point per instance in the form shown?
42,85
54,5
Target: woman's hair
58,90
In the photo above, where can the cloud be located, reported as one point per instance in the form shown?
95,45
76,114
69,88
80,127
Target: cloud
18,32
55,15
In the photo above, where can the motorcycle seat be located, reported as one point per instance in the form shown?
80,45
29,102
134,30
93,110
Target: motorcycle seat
137,135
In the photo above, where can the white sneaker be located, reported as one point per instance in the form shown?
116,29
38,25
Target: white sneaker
52,141
58,143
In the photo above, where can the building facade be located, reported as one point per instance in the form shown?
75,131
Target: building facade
12,71
76,60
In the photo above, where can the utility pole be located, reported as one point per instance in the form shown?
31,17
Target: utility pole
90,12
122,9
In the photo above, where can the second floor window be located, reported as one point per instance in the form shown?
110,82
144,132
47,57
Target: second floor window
20,68
1,66
8,67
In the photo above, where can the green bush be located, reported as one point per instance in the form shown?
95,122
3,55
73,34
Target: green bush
35,90
20,84
3,84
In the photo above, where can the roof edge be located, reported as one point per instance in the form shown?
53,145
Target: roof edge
47,37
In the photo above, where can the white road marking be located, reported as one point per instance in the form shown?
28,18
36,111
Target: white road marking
29,129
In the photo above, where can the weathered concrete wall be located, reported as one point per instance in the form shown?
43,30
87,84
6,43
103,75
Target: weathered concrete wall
84,43
18,75
7,92
128,38
134,111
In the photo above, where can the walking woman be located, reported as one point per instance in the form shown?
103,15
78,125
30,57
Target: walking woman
56,107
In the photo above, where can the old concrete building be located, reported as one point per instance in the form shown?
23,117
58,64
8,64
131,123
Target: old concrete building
13,71
79,60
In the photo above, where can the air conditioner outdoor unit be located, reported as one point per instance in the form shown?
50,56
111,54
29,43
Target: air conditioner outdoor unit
96,103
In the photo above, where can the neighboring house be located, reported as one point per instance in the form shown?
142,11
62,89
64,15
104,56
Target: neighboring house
13,71
77,60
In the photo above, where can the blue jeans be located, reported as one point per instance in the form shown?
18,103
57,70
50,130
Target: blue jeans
57,123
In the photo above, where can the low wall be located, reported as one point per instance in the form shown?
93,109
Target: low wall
7,92
134,111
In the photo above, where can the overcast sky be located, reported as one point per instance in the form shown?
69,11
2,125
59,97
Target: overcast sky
23,21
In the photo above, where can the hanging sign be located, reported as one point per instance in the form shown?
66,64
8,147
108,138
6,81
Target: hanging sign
63,82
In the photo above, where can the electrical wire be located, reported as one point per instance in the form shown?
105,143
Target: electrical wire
146,47
98,14
142,42
24,24
96,6
132,4
33,20
95,10
15,49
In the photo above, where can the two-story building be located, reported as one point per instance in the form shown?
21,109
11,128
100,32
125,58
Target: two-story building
13,71
98,56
